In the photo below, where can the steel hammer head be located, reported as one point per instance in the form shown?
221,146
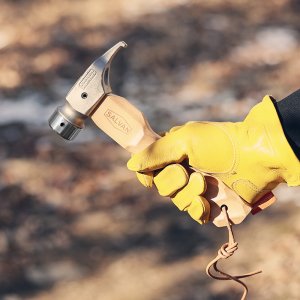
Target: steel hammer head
85,96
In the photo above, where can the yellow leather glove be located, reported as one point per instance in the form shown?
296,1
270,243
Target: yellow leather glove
251,157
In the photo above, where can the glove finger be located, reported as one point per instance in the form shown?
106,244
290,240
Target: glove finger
172,178
168,149
195,187
146,179
199,210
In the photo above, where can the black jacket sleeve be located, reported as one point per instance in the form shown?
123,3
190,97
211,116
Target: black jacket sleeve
288,110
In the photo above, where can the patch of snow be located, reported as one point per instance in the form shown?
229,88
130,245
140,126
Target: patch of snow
27,111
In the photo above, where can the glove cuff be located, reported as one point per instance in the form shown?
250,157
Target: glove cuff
265,113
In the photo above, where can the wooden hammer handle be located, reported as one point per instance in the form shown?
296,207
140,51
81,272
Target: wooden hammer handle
124,123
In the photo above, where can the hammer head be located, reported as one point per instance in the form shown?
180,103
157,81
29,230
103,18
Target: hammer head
85,96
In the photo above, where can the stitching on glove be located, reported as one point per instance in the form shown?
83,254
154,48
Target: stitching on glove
235,152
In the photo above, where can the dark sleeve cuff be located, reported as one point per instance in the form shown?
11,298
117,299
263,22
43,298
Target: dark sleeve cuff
288,110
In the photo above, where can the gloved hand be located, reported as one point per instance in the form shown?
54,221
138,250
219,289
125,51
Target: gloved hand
251,157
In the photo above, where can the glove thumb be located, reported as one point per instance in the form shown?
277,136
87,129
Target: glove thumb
168,149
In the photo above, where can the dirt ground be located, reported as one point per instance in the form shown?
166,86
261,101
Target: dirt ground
74,222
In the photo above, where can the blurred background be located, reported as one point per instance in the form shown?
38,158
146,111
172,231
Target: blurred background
74,222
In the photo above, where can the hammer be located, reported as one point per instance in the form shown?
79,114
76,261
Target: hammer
91,96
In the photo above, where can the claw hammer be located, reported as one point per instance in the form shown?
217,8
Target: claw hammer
91,96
